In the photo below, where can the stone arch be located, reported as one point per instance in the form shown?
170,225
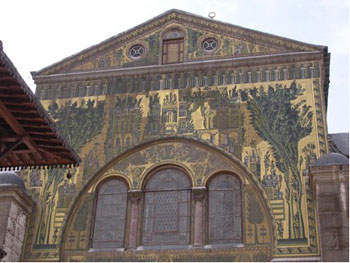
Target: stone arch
241,179
203,160
148,172
166,33
108,177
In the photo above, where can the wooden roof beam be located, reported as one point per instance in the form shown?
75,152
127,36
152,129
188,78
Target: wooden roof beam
21,108
6,77
8,151
25,115
15,100
32,123
16,157
10,87
55,156
34,130
15,103
9,138
46,137
7,92
19,130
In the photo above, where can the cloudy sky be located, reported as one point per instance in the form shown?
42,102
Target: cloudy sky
38,33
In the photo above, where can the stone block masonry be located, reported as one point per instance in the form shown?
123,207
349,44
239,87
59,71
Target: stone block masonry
15,206
330,187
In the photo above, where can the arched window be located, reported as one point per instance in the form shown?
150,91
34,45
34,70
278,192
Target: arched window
167,209
225,210
110,214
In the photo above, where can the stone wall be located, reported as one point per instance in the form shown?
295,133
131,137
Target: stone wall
331,190
15,207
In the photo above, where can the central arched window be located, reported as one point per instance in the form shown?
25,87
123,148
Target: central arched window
225,212
110,214
167,208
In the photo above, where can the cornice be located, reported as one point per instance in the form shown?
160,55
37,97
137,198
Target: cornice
247,34
228,63
21,198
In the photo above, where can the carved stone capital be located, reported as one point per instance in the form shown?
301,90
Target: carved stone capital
134,195
199,193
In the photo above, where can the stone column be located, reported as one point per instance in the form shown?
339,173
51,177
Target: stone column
216,79
224,76
330,186
134,196
312,72
250,77
233,78
241,77
277,75
198,197
197,81
15,208
143,85
161,84
171,82
206,82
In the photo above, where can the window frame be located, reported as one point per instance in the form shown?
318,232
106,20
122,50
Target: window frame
140,47
143,205
94,210
191,202
181,50
207,244
214,40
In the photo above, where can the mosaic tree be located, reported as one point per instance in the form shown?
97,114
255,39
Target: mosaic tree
255,214
283,124
78,124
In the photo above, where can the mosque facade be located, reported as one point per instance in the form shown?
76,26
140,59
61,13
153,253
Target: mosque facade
196,139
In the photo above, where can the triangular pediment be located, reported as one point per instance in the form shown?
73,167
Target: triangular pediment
232,42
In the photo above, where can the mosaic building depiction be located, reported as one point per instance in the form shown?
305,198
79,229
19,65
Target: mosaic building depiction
196,138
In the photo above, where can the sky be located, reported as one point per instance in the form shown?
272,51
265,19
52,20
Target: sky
38,33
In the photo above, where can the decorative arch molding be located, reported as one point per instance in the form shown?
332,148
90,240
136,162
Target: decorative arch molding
201,161
179,30
240,177
108,176
158,166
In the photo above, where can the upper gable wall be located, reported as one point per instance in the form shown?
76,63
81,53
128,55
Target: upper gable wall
118,57
233,41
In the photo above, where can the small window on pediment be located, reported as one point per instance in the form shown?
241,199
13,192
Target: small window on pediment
210,44
136,51
173,47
